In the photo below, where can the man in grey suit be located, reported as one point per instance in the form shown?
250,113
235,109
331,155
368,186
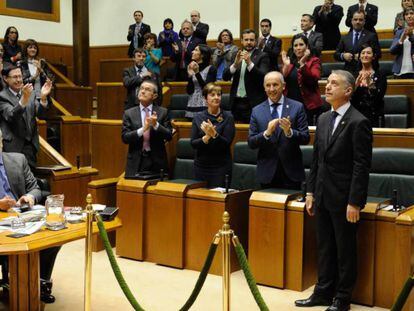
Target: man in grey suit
18,186
315,38
145,128
19,108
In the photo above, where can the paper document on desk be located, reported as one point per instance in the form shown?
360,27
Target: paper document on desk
223,190
30,227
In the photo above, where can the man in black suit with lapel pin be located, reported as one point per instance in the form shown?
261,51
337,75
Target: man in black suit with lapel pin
278,127
136,33
337,191
249,67
183,50
19,107
315,39
371,14
135,75
350,44
269,44
146,128
327,18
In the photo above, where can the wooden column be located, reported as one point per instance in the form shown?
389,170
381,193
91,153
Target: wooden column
80,10
249,15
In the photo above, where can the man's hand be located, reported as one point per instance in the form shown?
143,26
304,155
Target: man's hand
246,56
220,46
309,205
238,59
27,90
271,127
46,89
7,203
352,213
175,47
285,58
348,57
25,199
285,125
153,119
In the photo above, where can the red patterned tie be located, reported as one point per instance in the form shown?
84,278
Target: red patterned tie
146,143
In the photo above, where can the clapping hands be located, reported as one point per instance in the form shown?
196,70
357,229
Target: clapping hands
209,130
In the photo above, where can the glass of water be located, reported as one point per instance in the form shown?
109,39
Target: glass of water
55,214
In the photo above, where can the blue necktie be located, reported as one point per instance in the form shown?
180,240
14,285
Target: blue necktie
275,115
334,114
356,39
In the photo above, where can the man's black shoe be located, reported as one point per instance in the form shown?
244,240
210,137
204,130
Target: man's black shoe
313,300
339,305
46,292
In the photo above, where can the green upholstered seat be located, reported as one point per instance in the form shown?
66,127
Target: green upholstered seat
328,67
385,43
178,104
244,167
184,163
225,101
386,67
397,111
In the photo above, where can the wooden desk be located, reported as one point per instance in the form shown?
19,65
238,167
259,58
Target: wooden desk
130,198
24,260
203,219
164,221
267,235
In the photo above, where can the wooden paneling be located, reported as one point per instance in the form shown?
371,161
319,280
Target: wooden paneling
76,99
111,69
328,56
111,97
57,54
108,152
74,139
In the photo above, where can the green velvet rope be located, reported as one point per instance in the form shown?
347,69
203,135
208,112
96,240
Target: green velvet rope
201,278
241,256
115,268
402,297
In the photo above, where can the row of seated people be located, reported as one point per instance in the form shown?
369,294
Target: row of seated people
337,183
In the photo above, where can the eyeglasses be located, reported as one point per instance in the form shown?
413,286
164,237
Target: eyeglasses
16,77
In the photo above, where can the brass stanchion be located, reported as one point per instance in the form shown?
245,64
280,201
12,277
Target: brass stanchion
88,254
226,234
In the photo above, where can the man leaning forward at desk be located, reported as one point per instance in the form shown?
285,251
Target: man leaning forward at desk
18,186
338,186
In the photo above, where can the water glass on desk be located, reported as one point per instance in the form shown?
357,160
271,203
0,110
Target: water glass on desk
55,214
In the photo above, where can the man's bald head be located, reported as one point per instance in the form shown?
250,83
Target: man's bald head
274,84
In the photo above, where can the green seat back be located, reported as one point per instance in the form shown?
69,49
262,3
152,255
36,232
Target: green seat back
244,167
397,111
184,163
178,105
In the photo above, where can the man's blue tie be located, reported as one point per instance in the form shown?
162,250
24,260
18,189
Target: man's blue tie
275,115
334,114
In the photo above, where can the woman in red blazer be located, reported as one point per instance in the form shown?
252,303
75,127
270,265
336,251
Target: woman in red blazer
302,72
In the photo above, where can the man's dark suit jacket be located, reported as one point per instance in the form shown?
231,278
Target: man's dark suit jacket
253,79
18,124
201,32
345,46
340,168
130,124
132,82
20,177
279,148
177,57
130,37
328,25
315,42
371,16
272,48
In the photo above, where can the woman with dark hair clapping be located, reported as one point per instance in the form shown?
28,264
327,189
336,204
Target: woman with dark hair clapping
12,49
302,72
212,133
167,37
371,86
200,73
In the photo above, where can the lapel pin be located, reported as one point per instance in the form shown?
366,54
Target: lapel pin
287,106
343,122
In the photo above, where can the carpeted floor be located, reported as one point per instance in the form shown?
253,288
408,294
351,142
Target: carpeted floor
155,287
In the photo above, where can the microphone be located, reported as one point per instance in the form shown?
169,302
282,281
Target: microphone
226,182
162,174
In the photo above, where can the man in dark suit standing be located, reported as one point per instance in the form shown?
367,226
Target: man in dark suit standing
200,29
19,108
269,44
277,127
315,39
350,44
18,186
249,67
371,14
136,33
337,191
327,18
135,75
183,50
146,128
